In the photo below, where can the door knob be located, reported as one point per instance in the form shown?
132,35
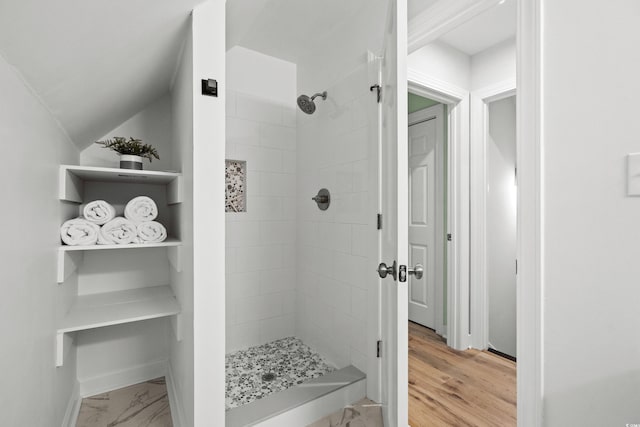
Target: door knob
417,271
383,270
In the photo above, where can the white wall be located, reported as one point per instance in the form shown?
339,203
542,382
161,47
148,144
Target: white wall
443,62
208,214
336,151
182,353
32,302
110,350
501,225
260,243
590,228
152,125
494,65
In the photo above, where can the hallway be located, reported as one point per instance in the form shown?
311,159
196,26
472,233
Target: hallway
449,387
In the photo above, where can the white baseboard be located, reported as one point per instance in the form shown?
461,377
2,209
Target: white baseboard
73,407
177,411
124,378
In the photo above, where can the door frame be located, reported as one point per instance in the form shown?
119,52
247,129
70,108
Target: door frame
456,99
427,27
436,111
479,291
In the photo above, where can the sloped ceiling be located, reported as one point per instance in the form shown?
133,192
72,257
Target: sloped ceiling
94,63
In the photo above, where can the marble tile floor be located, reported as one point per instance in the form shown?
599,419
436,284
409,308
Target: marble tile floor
140,405
288,359
364,413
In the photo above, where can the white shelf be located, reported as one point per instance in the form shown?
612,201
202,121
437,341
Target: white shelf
168,242
70,257
115,308
72,180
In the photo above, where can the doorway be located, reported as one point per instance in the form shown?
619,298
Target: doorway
460,68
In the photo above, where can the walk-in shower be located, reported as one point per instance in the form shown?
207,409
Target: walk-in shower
301,286
307,105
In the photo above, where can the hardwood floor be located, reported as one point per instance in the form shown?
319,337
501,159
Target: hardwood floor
458,388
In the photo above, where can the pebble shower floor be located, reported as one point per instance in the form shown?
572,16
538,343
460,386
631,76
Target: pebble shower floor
288,359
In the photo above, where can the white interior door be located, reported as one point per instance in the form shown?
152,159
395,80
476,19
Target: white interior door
426,146
393,204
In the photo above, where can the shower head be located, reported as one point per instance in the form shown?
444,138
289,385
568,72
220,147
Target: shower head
307,105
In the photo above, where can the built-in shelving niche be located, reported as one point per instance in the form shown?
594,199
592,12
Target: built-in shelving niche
118,307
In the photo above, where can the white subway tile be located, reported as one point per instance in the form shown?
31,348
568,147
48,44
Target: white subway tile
274,281
242,233
289,116
277,328
256,258
280,137
361,175
243,132
358,303
277,232
242,336
289,162
243,284
268,160
230,103
257,109
362,237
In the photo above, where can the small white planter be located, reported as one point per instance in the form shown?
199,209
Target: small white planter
128,161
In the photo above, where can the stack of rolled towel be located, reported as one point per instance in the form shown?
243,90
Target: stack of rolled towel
99,224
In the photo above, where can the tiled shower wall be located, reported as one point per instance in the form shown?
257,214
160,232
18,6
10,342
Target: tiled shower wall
260,261
337,151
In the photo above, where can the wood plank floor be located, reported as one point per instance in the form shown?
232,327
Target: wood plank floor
458,388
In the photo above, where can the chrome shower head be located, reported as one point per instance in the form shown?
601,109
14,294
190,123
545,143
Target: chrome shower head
307,105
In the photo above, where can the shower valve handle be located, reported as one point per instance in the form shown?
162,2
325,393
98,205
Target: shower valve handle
320,198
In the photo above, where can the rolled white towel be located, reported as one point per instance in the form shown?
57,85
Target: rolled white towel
99,212
141,209
151,232
79,232
118,231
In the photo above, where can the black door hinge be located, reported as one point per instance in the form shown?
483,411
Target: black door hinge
379,221
449,237
378,89
379,349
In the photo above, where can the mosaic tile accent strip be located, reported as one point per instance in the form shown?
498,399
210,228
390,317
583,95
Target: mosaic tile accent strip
289,359
236,185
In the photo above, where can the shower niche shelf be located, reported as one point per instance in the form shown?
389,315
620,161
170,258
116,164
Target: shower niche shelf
115,308
72,178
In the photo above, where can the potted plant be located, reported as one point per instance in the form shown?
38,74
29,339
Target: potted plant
131,151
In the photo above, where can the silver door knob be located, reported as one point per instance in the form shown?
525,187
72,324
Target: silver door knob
383,270
417,271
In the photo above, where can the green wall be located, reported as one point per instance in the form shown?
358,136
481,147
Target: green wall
417,102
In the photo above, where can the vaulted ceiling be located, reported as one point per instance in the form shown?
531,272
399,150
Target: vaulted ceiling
94,63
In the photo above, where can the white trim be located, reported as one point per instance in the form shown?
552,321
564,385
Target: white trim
480,100
441,18
457,99
126,377
73,407
437,112
175,403
530,218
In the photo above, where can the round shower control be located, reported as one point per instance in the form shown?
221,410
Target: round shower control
323,199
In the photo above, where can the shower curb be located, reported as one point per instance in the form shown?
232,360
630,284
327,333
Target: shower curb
264,412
